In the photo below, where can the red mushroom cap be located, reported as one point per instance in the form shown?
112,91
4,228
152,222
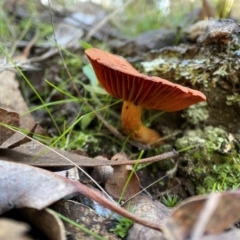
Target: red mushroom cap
122,80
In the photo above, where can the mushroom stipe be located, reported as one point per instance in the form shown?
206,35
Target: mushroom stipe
138,91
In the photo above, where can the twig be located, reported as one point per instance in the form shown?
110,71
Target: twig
29,46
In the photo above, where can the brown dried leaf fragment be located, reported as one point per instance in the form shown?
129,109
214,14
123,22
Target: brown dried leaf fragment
7,118
47,221
203,215
26,186
11,229
56,158
117,181
115,177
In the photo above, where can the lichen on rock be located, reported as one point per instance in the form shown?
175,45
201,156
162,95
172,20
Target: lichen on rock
211,64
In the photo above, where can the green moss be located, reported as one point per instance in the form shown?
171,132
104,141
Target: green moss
213,161
220,177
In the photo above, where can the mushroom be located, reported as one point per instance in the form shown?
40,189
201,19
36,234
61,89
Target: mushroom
122,80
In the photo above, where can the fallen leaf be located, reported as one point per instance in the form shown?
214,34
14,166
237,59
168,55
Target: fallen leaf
71,173
116,183
47,221
11,229
102,173
26,186
8,118
121,176
185,218
35,154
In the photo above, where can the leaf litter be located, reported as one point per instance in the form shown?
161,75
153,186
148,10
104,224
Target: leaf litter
12,229
174,224
195,217
27,186
46,220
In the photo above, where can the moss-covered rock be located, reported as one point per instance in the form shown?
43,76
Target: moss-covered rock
211,159
211,65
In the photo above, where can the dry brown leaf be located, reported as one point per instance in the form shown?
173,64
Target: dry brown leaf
34,154
84,216
102,173
26,186
8,118
46,221
115,178
185,219
11,229
115,184
71,173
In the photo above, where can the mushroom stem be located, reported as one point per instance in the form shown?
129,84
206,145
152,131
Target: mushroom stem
132,125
